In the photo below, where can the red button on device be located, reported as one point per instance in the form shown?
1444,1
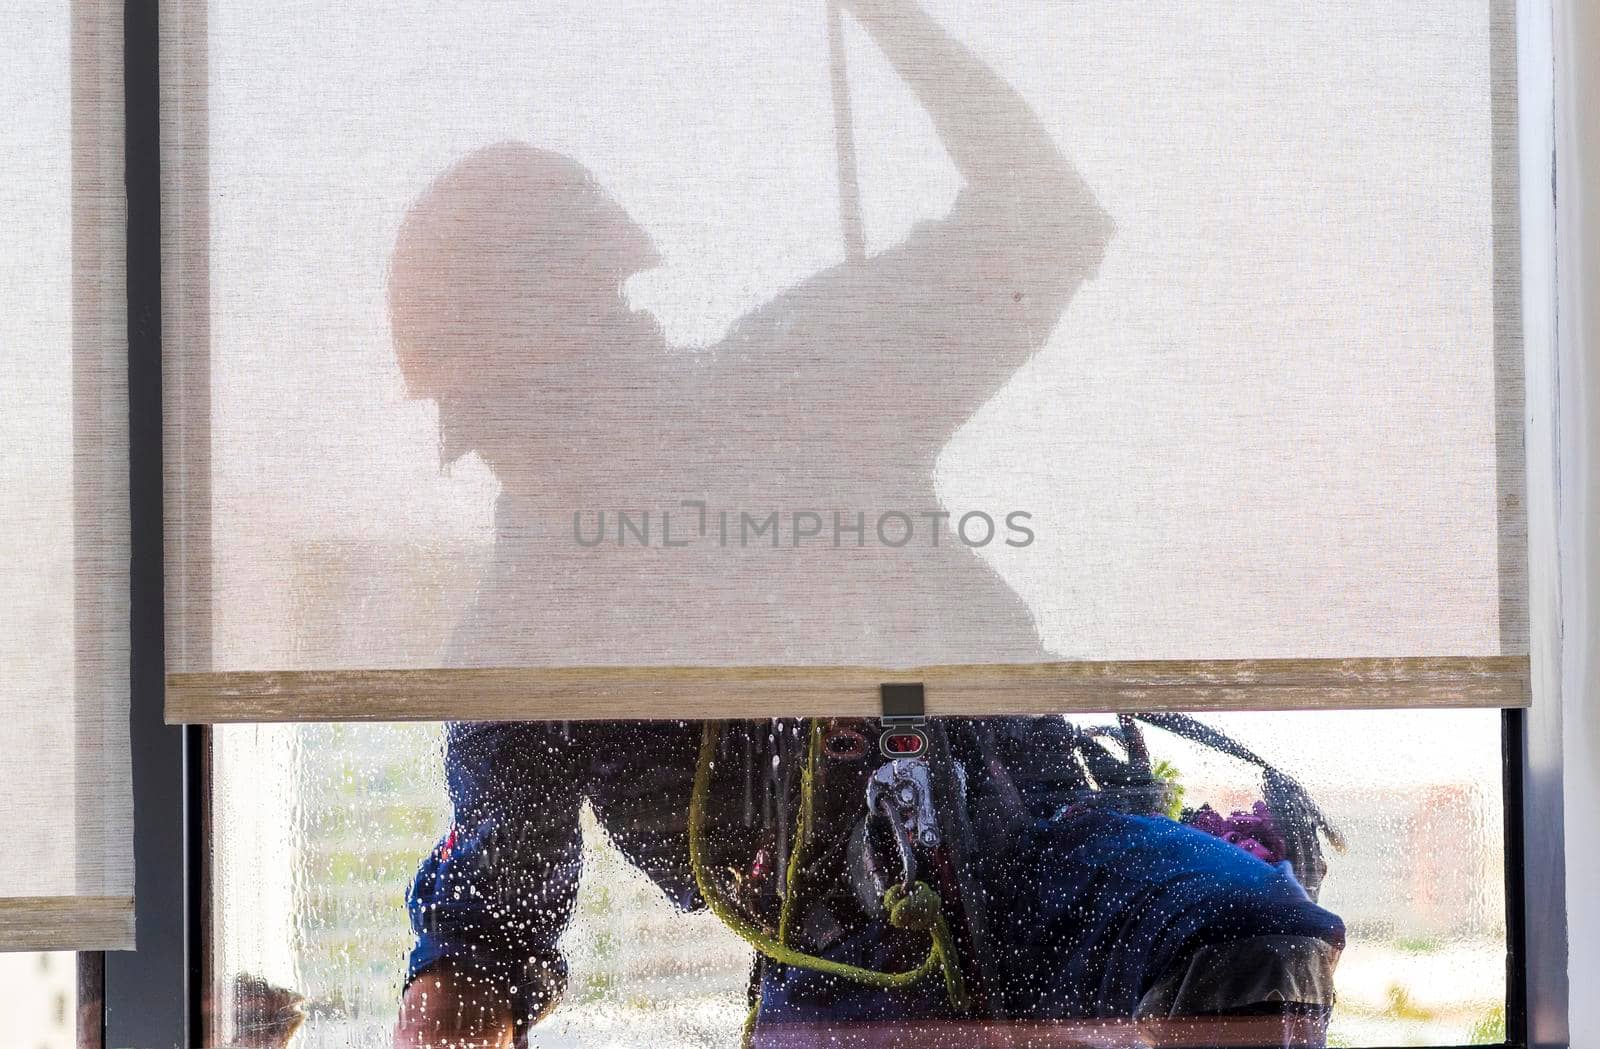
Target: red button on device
902,744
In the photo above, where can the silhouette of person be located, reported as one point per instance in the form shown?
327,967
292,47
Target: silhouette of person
836,397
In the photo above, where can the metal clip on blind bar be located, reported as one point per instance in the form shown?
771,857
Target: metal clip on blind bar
904,714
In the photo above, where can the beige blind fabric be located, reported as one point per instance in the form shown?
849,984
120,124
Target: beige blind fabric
663,359
63,481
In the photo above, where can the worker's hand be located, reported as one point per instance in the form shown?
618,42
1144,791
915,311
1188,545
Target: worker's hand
443,1009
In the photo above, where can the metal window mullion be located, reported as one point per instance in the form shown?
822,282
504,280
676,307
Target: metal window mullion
152,995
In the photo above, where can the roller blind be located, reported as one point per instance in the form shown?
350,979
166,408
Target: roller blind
665,359
63,481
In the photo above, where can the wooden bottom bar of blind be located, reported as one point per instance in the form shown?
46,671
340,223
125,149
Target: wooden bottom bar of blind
562,693
66,923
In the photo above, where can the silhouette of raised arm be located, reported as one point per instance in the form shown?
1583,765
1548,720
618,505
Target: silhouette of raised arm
990,132
954,308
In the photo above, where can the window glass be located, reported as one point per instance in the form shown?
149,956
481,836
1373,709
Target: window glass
1070,898
39,999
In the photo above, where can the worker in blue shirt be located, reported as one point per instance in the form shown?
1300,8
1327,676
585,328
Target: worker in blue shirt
1072,897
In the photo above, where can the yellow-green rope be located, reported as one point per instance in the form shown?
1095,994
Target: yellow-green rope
802,837
748,1033
917,909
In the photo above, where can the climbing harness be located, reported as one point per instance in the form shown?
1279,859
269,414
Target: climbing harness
913,907
901,793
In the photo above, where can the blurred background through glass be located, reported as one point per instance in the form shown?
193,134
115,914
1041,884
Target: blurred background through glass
319,829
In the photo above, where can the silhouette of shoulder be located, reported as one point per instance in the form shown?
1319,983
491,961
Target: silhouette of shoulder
1011,248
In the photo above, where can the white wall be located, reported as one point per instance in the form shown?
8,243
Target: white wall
1578,233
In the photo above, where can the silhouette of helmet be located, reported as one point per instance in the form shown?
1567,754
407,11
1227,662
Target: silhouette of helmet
509,242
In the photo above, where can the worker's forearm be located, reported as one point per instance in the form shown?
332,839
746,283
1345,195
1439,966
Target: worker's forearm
986,127
444,1011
